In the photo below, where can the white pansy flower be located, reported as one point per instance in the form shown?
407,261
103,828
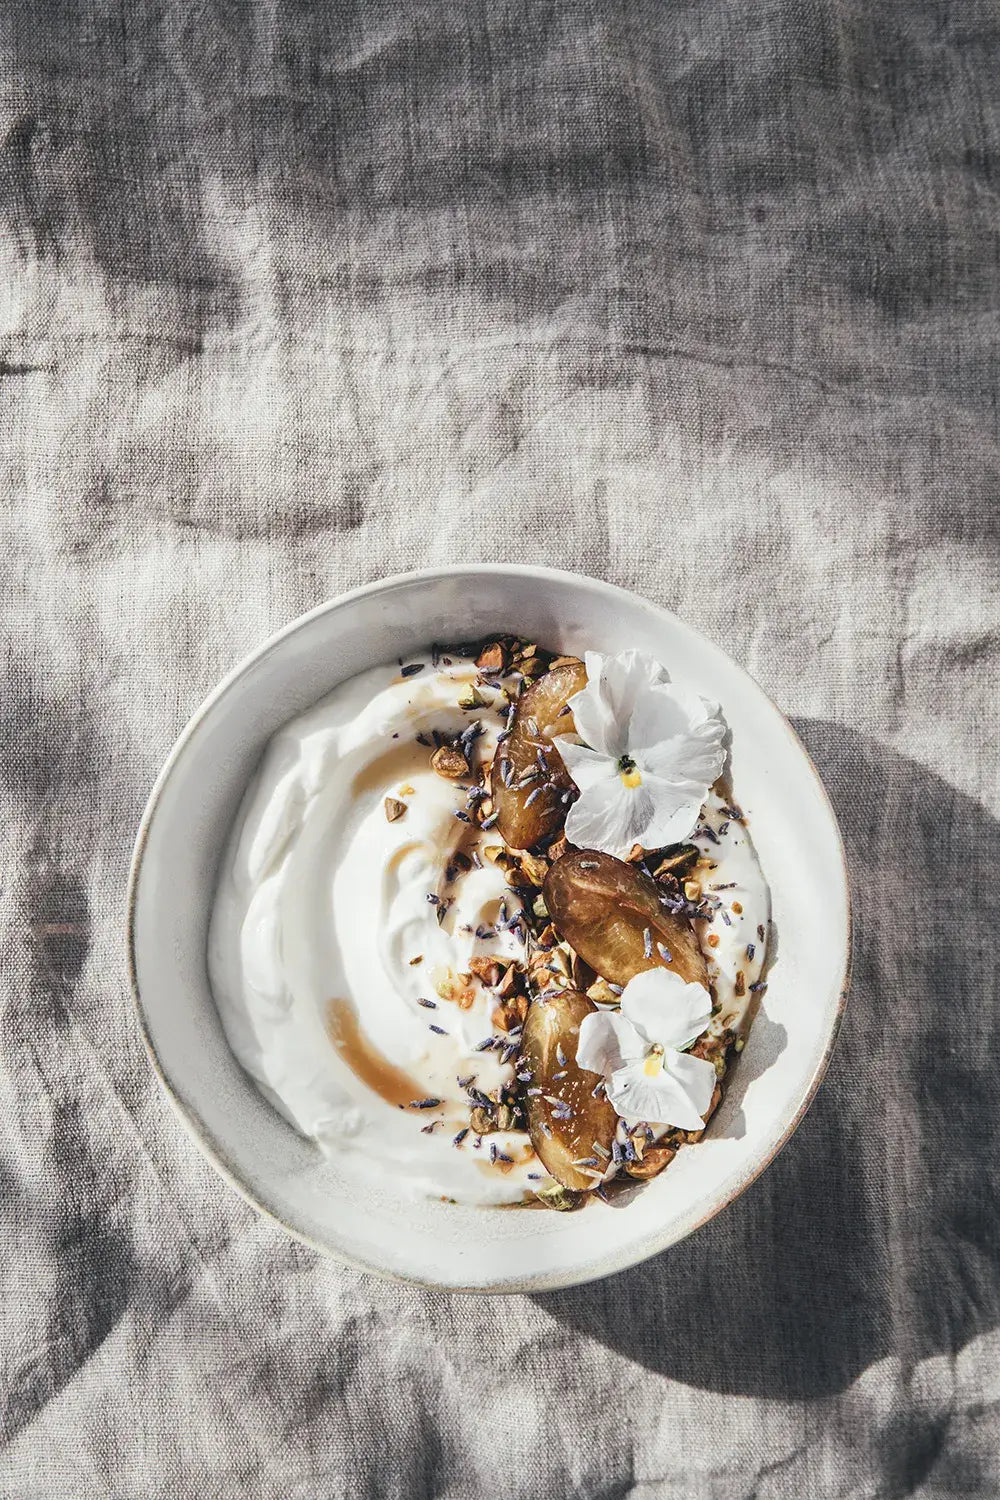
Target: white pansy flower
639,1050
651,750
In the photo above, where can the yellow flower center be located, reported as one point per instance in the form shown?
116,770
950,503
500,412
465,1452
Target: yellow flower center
653,1066
629,772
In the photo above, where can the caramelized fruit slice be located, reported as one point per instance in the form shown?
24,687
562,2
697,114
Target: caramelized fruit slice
604,908
528,760
564,1133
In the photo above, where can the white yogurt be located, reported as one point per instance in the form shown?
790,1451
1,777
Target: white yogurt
322,930
734,941
323,941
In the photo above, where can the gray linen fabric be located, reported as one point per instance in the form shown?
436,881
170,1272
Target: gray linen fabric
699,297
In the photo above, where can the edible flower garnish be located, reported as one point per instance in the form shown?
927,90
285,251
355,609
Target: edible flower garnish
651,749
640,1050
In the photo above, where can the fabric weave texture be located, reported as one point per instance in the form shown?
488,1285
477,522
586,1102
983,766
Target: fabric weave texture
702,298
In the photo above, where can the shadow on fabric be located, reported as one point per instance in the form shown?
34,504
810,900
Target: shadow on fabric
877,1230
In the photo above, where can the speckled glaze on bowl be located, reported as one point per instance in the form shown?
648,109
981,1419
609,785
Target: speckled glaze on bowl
173,877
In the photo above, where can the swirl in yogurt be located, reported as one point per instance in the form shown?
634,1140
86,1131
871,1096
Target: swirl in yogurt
334,928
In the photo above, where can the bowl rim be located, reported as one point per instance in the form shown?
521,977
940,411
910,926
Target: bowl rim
195,1127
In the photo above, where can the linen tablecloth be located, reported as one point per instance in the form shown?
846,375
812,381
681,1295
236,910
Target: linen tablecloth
701,298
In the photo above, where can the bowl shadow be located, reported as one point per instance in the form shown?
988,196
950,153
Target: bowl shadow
876,1231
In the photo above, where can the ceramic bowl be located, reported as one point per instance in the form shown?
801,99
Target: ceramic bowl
173,878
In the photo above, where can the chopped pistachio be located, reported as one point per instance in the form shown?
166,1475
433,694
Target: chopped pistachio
449,763
492,659
653,1161
559,1197
535,869
516,1006
489,970
535,667
679,862
453,986
602,993
501,1018
508,985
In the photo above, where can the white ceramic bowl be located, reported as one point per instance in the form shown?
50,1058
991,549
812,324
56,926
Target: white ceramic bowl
173,877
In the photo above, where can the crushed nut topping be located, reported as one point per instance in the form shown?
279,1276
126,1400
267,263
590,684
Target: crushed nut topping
450,985
394,809
561,1198
652,1161
602,994
490,970
503,1018
533,868
510,983
535,667
493,659
450,763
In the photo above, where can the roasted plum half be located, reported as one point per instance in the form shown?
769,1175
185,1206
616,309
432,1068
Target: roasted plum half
612,915
530,784
570,1134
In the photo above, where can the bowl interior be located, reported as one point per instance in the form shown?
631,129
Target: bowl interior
174,873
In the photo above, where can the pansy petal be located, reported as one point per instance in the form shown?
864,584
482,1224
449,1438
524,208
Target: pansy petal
603,710
607,1041
696,1078
584,765
626,677
676,1096
660,1100
609,816
665,711
690,764
673,812
664,1008
634,1094
676,735
593,714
